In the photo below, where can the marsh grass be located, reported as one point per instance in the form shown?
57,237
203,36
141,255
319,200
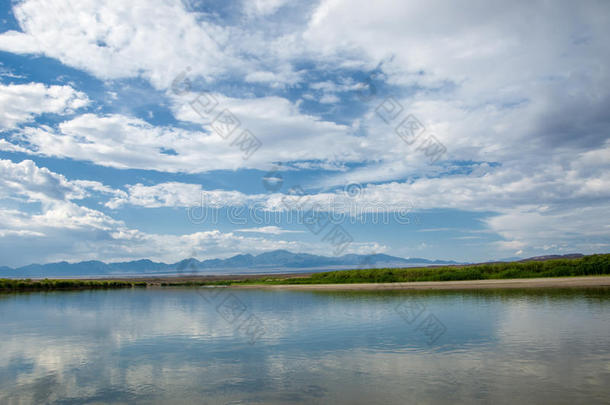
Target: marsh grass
585,266
46,284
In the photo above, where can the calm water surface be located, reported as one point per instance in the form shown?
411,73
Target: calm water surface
195,346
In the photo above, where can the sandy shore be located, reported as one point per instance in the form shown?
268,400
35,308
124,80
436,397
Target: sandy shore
560,282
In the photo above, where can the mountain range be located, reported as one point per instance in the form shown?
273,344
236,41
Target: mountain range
274,261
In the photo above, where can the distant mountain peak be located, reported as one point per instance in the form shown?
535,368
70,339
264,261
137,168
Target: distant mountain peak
274,260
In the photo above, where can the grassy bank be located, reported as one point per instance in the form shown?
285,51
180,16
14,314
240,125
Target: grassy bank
585,266
8,285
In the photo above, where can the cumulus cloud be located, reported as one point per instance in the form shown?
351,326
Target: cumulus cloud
557,183
485,79
272,229
521,107
25,180
125,142
113,40
546,93
262,7
20,103
49,225
176,194
564,201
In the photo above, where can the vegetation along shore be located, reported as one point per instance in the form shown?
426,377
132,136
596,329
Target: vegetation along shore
592,265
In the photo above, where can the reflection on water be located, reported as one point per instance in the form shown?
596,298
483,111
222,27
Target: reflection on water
174,345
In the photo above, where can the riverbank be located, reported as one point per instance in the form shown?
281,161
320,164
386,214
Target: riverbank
9,285
559,282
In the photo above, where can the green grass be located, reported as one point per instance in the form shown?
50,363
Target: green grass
46,284
585,266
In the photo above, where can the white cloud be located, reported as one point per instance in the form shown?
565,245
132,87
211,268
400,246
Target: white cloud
554,183
487,84
432,42
562,201
329,99
48,225
574,230
178,195
530,99
125,142
22,102
7,72
262,7
486,88
281,78
28,182
272,229
112,40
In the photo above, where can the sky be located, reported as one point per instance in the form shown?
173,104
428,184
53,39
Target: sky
176,129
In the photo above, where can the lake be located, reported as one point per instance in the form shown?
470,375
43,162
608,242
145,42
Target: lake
231,346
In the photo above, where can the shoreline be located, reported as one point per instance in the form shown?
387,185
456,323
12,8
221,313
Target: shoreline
549,282
235,282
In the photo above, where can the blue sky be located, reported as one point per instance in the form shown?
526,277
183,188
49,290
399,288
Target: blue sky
424,130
